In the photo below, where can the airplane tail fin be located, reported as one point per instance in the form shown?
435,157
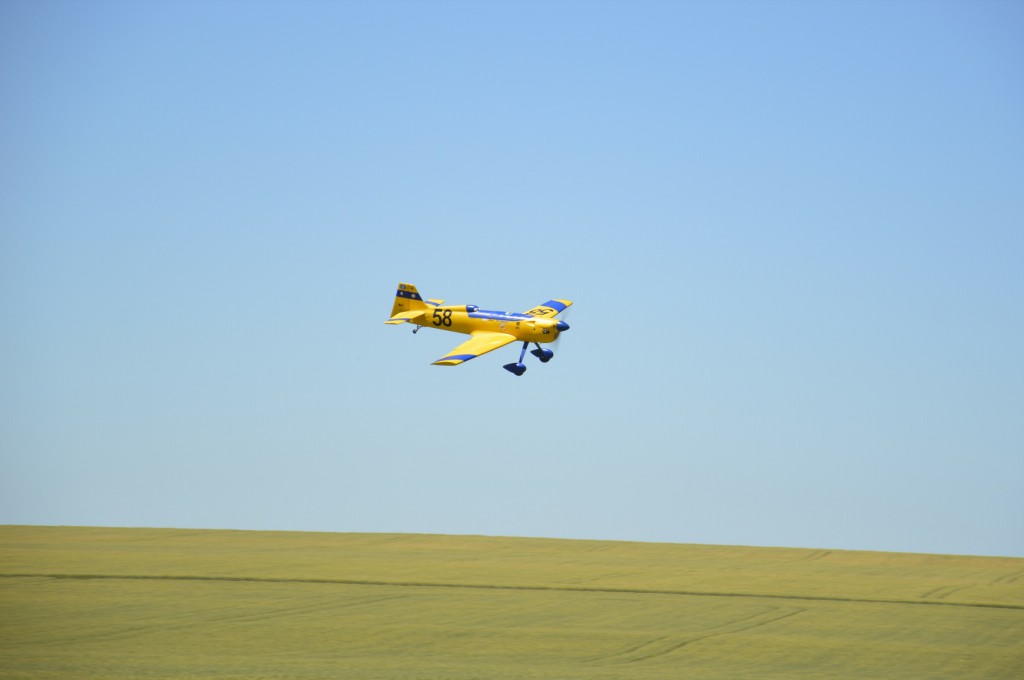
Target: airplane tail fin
407,299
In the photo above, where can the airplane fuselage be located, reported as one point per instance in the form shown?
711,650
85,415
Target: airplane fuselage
471,319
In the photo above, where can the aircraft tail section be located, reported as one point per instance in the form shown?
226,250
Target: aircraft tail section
407,299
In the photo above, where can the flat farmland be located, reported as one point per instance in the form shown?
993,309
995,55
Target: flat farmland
78,602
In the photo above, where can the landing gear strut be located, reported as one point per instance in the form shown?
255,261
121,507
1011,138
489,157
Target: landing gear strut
519,368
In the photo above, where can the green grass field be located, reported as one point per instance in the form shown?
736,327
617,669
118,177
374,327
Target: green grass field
162,603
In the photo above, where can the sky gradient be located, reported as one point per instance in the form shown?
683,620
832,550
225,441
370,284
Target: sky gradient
794,233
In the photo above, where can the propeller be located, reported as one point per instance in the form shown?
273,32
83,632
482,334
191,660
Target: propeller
564,317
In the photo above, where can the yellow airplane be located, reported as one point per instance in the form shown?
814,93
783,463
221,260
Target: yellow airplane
488,330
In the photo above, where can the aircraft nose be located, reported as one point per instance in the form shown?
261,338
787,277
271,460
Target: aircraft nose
562,326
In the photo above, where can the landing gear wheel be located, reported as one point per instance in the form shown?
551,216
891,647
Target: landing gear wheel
518,369
545,355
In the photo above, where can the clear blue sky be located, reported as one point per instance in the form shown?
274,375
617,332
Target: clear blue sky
794,232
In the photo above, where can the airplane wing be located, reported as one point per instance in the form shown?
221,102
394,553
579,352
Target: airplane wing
550,308
482,342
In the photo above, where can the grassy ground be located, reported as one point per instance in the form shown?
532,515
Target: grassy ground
149,603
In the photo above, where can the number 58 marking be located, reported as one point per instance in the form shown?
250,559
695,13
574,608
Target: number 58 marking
442,318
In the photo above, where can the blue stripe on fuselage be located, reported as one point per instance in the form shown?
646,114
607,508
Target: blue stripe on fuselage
499,316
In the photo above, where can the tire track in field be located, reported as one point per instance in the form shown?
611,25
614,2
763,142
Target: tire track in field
815,556
670,643
942,592
1007,579
487,586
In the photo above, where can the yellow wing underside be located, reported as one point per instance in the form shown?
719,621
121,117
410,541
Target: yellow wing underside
480,343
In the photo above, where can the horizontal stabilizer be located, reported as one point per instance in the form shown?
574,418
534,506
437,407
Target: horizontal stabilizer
404,317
